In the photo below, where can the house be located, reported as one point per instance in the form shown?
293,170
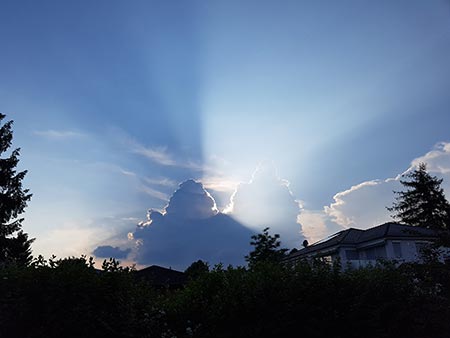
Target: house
359,248
161,277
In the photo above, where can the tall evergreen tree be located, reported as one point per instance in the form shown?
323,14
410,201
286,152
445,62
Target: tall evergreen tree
14,243
423,204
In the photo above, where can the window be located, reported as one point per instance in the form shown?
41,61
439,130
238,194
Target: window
352,254
376,253
397,249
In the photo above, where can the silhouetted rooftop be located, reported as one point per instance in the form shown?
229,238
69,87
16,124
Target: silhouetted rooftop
354,236
160,276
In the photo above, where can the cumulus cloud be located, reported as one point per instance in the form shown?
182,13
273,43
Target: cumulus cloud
107,251
438,163
363,205
191,227
266,201
220,183
191,201
316,225
188,229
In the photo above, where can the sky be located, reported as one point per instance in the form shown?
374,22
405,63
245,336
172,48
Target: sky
162,132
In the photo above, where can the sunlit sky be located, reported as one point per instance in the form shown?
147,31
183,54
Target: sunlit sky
281,109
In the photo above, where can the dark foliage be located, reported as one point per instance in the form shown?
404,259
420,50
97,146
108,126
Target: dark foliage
197,269
69,298
14,243
266,249
423,204
314,300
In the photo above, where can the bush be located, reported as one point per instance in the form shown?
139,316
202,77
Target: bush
69,298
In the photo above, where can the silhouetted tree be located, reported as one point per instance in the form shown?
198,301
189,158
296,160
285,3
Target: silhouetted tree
14,243
423,204
267,249
293,250
197,269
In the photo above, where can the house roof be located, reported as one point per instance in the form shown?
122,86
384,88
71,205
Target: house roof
353,237
160,276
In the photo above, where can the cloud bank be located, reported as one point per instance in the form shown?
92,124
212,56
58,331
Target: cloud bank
190,228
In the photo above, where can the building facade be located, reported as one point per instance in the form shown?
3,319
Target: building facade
359,248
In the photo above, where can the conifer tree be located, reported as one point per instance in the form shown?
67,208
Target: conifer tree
423,204
15,247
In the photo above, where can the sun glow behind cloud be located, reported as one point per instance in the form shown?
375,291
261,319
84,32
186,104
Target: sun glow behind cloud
266,201
208,91
310,91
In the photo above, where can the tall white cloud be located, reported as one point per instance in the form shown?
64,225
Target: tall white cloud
190,228
266,201
191,201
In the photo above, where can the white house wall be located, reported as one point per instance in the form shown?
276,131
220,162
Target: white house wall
409,252
408,249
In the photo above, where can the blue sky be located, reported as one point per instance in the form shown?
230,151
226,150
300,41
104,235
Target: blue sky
116,103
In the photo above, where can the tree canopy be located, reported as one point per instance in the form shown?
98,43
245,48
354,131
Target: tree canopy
423,203
266,249
14,243
196,269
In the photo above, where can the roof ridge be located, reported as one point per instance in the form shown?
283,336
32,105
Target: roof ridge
326,239
387,229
